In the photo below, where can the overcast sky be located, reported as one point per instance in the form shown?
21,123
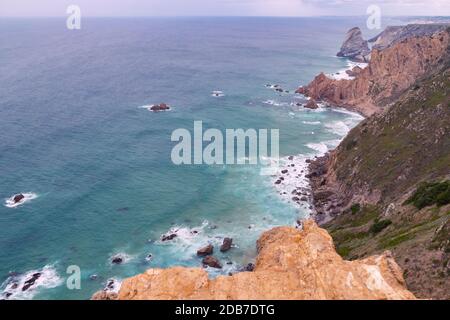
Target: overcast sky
222,7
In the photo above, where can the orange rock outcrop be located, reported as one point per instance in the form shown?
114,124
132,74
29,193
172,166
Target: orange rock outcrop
291,264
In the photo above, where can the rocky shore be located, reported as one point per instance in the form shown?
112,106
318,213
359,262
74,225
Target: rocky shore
390,72
291,265
362,189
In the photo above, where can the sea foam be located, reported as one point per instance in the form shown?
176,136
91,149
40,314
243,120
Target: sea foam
28,197
12,287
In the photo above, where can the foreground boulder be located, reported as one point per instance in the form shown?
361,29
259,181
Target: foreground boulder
291,264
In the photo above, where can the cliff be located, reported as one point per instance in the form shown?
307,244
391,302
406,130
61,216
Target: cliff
386,186
394,34
291,264
390,72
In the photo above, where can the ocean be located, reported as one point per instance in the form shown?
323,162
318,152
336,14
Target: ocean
95,165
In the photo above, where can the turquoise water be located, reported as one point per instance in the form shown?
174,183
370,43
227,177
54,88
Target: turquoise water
74,135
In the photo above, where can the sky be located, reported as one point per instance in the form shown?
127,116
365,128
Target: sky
14,8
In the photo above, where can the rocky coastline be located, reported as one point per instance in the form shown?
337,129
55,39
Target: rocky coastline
390,72
361,190
291,265
354,200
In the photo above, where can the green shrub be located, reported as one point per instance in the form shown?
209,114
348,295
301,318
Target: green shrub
355,208
379,226
443,198
430,193
343,251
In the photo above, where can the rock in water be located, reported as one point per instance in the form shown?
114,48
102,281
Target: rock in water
212,262
160,107
18,197
226,245
30,282
312,104
205,251
301,90
117,260
169,237
354,46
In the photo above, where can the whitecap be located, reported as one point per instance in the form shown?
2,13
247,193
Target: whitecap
291,182
353,115
122,255
13,286
337,127
343,75
217,93
28,197
189,240
321,148
311,122
275,103
113,285
149,108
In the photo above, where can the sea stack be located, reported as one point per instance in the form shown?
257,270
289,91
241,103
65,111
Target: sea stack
355,47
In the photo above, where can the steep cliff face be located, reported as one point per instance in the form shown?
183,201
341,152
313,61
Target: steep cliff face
361,188
390,72
291,264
